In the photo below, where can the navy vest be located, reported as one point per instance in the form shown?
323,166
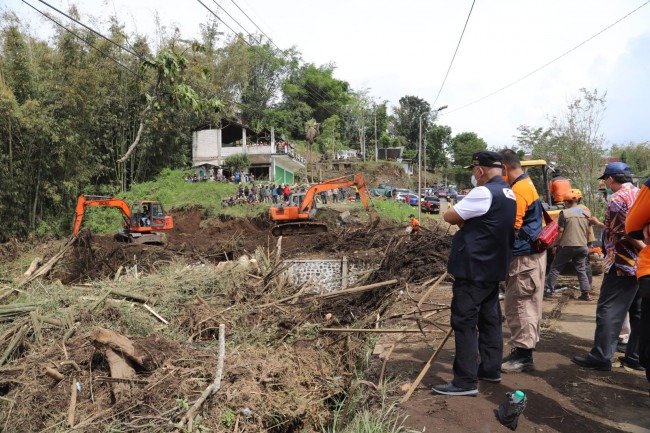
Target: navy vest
481,250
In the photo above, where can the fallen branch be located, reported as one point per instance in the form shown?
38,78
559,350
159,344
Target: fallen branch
355,289
442,277
188,419
376,330
426,367
43,270
158,316
53,373
15,342
73,403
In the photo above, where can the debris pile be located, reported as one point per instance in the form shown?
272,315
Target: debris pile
138,351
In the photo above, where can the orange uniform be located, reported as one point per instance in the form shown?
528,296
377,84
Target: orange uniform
639,216
559,186
415,226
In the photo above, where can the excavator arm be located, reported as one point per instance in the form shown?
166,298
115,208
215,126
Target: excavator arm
94,200
308,202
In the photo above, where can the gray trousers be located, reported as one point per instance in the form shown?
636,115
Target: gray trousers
617,296
577,255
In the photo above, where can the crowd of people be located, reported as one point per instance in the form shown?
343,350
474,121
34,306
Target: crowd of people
499,223
275,194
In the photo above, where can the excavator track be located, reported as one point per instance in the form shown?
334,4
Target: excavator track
299,228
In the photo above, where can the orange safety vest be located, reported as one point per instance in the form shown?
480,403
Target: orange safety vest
415,226
558,188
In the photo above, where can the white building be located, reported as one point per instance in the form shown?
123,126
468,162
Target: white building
277,162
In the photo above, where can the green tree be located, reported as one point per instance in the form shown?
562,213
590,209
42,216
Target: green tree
463,145
405,121
238,162
636,155
439,140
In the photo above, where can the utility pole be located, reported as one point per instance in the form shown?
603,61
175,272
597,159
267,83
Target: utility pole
376,151
363,136
420,171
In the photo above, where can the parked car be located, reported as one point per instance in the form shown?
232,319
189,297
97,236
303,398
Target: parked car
386,186
402,191
441,193
459,197
452,193
431,204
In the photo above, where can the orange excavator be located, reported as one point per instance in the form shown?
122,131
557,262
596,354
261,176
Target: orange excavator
297,217
143,220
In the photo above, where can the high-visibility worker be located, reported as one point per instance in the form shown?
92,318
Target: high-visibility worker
415,225
559,186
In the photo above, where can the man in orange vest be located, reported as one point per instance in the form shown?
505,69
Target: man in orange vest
559,187
415,225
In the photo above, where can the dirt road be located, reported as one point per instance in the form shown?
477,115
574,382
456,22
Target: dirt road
561,396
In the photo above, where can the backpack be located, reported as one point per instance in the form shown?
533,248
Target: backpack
548,234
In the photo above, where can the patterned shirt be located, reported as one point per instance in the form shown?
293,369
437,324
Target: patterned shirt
619,251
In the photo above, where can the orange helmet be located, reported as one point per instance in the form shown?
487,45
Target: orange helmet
572,195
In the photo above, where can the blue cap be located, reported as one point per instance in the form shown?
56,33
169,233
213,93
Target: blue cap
615,168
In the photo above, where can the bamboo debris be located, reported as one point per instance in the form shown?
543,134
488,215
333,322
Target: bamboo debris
73,403
356,289
53,373
13,345
210,390
426,367
378,330
158,316
428,292
43,270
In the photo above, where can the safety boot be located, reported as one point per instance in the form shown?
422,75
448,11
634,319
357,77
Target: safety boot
518,361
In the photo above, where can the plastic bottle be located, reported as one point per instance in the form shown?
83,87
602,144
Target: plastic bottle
517,396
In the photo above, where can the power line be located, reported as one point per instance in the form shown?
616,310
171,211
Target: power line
455,52
82,39
318,96
550,62
232,18
88,28
258,27
226,24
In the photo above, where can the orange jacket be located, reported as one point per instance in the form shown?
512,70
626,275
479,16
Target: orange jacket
415,226
558,188
639,216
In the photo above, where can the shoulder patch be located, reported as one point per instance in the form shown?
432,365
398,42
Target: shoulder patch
508,193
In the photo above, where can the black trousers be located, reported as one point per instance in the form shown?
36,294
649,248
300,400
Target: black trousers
476,320
618,296
644,325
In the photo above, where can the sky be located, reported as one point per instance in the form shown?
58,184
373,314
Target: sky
394,49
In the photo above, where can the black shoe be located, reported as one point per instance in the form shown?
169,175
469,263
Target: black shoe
490,379
451,389
587,362
549,294
518,361
634,365
621,347
585,296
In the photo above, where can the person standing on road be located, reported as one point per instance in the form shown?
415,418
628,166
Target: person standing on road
479,259
636,226
571,244
525,282
619,290
335,195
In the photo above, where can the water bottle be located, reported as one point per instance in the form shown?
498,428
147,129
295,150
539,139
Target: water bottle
517,396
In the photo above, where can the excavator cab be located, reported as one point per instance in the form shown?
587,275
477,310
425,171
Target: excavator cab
147,214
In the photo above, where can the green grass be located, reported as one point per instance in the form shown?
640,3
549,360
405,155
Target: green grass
174,193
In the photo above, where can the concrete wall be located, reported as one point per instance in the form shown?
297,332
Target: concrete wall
327,272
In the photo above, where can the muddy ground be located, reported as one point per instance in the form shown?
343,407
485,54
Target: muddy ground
288,372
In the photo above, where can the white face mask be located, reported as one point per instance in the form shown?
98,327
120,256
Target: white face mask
474,181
